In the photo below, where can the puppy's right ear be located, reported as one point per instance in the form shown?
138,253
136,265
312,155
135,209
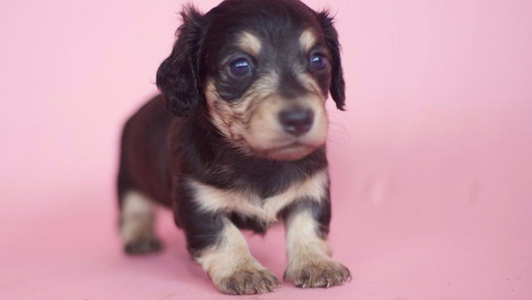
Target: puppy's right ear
177,76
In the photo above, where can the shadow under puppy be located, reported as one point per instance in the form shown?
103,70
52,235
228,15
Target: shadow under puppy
240,144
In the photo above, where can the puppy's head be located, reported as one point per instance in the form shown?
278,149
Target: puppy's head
262,70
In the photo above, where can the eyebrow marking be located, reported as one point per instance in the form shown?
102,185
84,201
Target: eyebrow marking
250,43
307,39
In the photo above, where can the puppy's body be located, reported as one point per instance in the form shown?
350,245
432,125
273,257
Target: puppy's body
193,147
247,83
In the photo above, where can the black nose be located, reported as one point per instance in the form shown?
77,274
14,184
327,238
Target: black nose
296,121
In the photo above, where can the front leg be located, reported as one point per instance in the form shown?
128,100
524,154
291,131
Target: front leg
218,246
231,267
308,255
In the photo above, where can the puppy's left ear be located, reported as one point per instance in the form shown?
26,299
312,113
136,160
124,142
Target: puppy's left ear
337,87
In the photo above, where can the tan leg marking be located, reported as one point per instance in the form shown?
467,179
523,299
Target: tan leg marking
137,224
231,267
213,199
309,262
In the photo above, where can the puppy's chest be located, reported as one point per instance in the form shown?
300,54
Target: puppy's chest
249,204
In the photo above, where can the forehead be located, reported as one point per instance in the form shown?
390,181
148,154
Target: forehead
273,23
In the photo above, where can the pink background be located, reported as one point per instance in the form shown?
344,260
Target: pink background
431,166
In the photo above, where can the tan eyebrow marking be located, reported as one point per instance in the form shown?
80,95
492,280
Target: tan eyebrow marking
307,39
250,43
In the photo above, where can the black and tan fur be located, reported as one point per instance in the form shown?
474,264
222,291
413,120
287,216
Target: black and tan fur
240,143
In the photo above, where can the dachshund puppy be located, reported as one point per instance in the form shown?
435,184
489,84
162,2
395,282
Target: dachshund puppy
240,143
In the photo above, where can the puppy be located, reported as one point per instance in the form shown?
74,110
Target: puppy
240,144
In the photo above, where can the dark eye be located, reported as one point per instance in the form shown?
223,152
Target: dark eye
318,61
240,67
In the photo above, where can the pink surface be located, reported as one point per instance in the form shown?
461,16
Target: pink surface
431,166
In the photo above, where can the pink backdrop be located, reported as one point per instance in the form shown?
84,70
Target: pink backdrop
431,166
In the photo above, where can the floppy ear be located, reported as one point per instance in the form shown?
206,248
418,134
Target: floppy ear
177,76
337,87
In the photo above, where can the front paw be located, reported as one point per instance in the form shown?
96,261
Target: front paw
318,272
246,280
143,246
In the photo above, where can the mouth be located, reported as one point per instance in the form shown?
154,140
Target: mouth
292,151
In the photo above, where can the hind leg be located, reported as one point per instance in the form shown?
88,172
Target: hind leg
137,218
